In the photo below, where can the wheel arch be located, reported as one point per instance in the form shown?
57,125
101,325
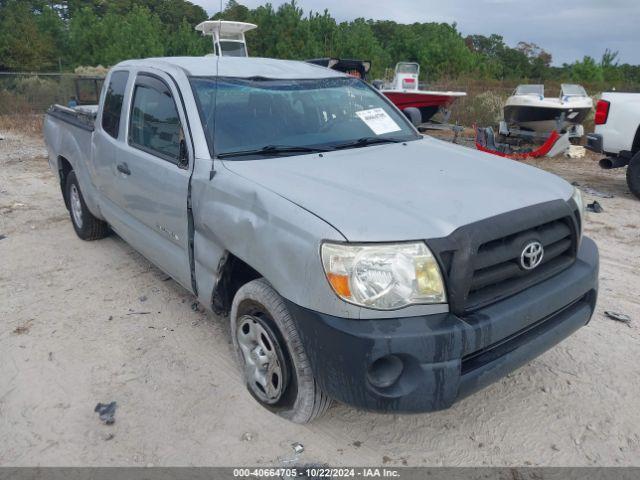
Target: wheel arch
64,168
635,146
243,231
233,273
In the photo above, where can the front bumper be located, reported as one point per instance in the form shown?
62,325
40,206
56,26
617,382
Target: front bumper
444,357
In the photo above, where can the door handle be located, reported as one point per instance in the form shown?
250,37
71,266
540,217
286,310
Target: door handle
123,168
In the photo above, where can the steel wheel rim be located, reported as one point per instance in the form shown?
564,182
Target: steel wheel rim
76,206
263,370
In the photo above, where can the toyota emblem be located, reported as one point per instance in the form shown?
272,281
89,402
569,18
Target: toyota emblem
531,255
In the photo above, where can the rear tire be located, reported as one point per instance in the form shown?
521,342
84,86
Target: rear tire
87,226
633,175
258,309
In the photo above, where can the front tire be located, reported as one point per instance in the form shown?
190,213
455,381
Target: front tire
87,226
271,355
633,175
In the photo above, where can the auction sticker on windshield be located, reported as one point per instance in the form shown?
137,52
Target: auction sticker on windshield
378,120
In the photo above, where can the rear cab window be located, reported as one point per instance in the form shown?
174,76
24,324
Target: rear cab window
112,108
155,123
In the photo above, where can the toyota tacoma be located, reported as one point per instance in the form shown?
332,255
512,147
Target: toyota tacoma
356,259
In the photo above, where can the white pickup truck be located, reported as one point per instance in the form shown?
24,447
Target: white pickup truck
617,135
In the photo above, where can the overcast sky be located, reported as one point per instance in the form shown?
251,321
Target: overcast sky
568,29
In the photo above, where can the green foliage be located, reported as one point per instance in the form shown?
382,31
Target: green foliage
485,108
27,41
609,66
48,35
527,60
323,28
586,71
184,42
52,34
294,36
357,40
137,34
286,32
86,38
283,33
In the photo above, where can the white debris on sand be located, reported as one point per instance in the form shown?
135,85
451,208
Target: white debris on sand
575,151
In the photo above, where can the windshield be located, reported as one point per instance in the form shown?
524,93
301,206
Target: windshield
233,49
530,90
571,90
241,115
408,68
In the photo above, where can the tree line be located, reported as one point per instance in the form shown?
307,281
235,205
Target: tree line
49,35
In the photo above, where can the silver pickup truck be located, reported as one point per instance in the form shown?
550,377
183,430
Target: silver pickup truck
357,260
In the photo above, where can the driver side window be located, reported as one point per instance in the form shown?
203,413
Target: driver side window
155,124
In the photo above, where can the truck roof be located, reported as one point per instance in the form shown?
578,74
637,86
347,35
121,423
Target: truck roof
242,67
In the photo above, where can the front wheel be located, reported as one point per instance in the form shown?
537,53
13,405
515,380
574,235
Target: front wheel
633,175
269,350
87,226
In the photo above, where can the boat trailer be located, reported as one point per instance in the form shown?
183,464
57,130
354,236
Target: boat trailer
554,145
573,131
442,126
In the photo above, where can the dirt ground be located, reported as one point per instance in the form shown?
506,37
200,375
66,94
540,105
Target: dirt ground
87,322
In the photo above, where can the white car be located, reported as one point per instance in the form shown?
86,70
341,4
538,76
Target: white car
617,134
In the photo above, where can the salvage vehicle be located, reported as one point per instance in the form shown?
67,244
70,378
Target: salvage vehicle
357,260
617,134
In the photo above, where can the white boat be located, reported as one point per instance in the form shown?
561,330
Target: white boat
529,109
228,37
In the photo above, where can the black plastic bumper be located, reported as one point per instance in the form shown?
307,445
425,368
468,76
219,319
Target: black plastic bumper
594,142
444,357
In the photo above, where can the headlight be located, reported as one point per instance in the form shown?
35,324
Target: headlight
579,201
383,276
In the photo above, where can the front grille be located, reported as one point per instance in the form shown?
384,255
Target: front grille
481,261
496,265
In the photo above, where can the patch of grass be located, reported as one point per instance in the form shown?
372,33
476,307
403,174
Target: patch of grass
26,123
483,109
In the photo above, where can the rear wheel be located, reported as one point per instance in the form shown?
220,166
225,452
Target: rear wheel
87,226
269,350
633,175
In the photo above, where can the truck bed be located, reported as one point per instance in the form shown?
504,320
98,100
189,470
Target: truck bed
82,116
68,135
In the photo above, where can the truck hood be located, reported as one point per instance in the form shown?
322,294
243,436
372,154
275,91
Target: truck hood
392,192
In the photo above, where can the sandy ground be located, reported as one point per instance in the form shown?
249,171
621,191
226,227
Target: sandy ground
87,322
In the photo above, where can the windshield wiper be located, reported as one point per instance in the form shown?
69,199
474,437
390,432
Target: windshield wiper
364,141
274,150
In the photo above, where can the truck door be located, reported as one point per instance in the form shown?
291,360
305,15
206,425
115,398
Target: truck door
153,169
106,137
